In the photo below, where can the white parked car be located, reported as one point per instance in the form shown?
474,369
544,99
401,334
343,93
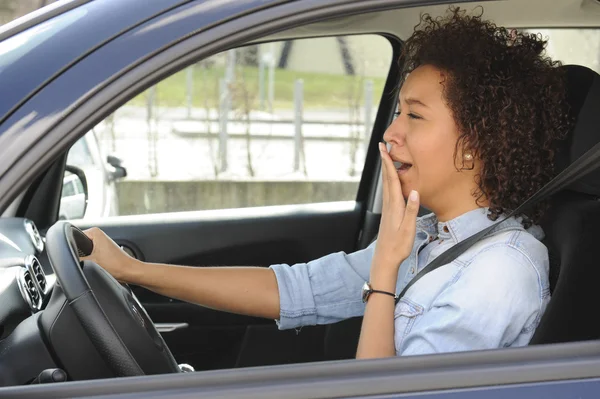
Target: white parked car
73,198
100,173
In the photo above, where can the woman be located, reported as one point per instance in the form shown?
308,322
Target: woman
480,110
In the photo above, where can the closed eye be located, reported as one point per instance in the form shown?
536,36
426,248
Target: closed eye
410,115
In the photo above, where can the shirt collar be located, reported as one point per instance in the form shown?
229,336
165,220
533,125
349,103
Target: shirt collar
468,224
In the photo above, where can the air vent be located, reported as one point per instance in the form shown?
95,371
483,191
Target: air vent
29,290
30,287
34,234
38,274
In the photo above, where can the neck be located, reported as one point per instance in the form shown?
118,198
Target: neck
448,210
446,215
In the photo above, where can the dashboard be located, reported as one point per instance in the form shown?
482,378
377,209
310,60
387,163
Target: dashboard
39,329
26,284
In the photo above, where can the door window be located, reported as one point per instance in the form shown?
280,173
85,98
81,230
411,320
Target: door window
271,124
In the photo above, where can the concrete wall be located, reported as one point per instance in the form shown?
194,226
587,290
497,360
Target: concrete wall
144,197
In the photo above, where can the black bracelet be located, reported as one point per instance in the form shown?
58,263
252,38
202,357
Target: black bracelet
383,292
367,291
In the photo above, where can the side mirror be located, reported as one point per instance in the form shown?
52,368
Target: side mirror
74,196
119,170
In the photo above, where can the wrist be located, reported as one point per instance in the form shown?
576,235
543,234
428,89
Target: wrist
131,271
387,262
383,278
383,284
368,290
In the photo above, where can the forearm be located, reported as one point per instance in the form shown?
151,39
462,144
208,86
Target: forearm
377,332
250,291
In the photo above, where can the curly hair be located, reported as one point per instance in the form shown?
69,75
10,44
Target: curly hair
507,98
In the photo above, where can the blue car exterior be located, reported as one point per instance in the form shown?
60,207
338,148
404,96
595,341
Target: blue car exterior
58,64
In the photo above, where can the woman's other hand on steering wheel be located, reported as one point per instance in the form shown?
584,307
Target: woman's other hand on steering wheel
109,255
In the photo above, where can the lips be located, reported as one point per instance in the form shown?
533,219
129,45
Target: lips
402,167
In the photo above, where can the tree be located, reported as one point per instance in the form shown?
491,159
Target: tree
243,103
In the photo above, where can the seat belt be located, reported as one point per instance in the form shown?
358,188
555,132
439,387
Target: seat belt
576,170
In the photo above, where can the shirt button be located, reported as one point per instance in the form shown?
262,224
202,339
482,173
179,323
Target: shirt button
412,270
446,229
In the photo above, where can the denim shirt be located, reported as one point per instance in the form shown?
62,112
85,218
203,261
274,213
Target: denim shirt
491,296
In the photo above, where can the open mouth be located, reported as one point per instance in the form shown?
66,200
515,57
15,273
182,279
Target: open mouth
402,167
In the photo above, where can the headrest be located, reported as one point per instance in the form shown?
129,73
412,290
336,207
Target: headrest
582,84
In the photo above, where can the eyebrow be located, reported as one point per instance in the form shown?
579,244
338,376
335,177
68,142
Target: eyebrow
411,101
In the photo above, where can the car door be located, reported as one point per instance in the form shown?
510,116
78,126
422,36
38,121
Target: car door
251,157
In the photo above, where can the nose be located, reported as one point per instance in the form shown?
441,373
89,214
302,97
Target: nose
396,132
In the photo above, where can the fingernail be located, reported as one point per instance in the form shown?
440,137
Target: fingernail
381,147
414,196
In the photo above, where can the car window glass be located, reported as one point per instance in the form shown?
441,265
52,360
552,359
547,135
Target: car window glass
271,124
573,46
80,154
78,186
68,188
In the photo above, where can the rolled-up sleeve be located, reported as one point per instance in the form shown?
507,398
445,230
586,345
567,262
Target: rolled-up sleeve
488,305
322,291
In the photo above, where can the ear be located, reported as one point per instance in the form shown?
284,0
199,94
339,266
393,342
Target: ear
465,157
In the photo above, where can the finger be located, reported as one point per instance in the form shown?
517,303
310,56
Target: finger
92,233
409,222
391,179
384,177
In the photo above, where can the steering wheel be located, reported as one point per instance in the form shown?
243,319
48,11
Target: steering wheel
120,329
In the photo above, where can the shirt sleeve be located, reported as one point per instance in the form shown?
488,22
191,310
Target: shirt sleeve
489,304
322,291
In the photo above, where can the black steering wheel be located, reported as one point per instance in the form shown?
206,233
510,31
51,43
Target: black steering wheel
110,314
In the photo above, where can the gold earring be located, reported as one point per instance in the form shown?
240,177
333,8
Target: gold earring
468,157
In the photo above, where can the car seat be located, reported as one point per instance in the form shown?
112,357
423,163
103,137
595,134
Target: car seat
570,224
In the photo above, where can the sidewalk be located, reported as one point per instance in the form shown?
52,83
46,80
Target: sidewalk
173,147
341,116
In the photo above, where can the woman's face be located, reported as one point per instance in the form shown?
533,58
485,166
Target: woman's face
423,137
